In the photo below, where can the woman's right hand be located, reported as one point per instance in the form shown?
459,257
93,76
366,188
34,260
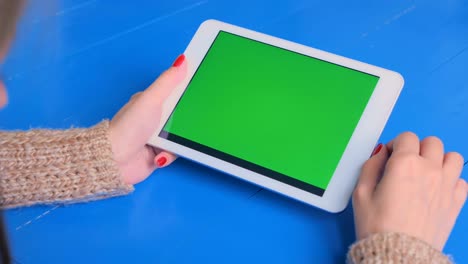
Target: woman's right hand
411,187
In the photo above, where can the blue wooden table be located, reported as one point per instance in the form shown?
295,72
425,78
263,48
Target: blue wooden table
76,62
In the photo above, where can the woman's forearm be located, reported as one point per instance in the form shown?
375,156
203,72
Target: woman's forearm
53,166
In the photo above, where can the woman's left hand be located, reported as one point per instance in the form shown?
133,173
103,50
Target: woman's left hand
135,123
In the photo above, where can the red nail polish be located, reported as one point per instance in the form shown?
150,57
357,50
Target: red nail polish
179,61
161,161
377,149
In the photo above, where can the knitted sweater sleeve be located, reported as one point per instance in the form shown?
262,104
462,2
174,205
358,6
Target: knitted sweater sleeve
394,248
53,166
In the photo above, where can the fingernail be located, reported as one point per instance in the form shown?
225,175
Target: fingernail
377,149
179,61
161,161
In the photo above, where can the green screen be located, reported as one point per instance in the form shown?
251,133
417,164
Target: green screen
271,108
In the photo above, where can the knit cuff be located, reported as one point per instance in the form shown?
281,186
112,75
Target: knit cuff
53,166
394,248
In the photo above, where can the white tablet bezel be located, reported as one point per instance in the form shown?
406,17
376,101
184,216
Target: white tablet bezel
361,144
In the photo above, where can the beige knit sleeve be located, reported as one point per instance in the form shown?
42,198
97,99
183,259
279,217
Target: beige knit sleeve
53,166
395,248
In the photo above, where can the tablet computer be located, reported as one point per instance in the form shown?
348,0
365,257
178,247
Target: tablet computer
284,116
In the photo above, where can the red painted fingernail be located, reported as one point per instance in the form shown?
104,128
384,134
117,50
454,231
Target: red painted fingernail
179,61
377,149
161,161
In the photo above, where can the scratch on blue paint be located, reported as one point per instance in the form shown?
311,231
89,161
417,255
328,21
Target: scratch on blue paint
447,61
73,8
148,23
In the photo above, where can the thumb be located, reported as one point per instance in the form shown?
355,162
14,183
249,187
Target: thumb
137,121
147,108
160,89
372,170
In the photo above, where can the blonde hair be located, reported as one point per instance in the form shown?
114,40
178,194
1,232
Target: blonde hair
9,13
